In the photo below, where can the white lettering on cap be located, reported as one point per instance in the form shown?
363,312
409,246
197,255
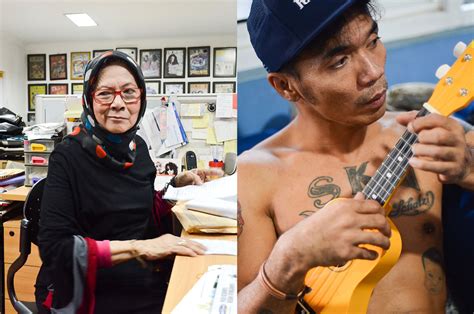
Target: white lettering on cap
301,3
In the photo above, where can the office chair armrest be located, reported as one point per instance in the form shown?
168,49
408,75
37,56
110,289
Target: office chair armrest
25,241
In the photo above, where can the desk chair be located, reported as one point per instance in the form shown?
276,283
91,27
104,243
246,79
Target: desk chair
28,235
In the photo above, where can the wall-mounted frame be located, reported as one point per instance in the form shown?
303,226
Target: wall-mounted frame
153,87
173,88
199,59
58,67
223,87
31,118
97,53
36,67
132,52
225,62
175,62
58,89
150,63
199,87
77,88
78,64
33,90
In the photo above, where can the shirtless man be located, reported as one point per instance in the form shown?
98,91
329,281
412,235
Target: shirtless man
335,78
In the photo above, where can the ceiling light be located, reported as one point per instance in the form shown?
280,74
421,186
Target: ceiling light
81,19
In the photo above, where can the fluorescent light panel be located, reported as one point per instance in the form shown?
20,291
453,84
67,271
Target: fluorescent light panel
81,19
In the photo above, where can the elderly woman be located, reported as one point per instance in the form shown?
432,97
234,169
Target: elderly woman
99,239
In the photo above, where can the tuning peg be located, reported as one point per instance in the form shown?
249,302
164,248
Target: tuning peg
459,49
442,70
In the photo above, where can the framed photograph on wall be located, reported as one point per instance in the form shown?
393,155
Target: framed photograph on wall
173,88
223,87
36,67
58,67
150,63
199,87
58,89
199,59
78,63
153,87
33,90
225,62
132,52
31,118
97,53
77,88
175,62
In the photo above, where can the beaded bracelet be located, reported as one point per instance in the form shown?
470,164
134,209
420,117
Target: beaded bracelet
265,282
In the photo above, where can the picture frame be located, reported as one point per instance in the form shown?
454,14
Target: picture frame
153,87
98,53
132,52
58,67
225,62
58,89
77,88
31,118
150,63
223,87
33,90
167,166
199,87
173,88
174,62
79,61
36,67
199,59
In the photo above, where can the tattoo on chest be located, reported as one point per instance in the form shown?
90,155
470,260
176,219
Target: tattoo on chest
306,213
357,178
240,220
432,262
413,206
323,191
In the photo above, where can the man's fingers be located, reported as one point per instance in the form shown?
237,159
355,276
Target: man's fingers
406,117
378,222
439,167
373,238
438,136
364,253
435,152
434,120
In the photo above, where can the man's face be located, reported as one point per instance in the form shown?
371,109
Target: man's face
346,82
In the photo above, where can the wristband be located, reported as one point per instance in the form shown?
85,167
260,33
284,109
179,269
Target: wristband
275,292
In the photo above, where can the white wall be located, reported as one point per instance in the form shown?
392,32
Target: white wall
13,61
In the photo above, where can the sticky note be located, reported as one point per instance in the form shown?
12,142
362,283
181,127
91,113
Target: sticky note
190,110
211,137
230,146
201,122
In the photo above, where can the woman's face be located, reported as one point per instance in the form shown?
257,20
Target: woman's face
117,117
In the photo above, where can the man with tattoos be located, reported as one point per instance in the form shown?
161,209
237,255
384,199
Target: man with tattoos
327,59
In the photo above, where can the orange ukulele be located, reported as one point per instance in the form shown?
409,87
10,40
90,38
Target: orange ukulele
347,288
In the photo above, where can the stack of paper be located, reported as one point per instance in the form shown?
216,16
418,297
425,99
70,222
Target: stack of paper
214,206
215,292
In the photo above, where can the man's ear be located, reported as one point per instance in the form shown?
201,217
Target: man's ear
284,85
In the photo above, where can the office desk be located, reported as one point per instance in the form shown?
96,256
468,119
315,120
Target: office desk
12,211
187,270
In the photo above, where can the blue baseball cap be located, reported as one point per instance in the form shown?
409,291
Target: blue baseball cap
280,29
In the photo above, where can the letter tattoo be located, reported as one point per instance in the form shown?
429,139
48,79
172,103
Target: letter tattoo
323,193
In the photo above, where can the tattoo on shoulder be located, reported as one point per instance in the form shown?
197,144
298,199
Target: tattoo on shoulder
306,213
413,206
432,262
240,220
323,191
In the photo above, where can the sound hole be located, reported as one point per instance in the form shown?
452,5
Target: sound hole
340,268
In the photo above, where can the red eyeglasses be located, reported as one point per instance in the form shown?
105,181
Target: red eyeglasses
106,96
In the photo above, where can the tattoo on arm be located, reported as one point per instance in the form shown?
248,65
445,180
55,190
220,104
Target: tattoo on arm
432,262
323,191
240,220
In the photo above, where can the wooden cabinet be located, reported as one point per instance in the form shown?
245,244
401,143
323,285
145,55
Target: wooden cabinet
25,278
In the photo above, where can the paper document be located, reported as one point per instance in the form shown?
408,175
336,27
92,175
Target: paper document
190,110
219,247
224,106
197,222
225,130
214,293
214,206
225,188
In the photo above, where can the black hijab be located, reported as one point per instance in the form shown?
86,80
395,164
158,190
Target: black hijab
114,150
